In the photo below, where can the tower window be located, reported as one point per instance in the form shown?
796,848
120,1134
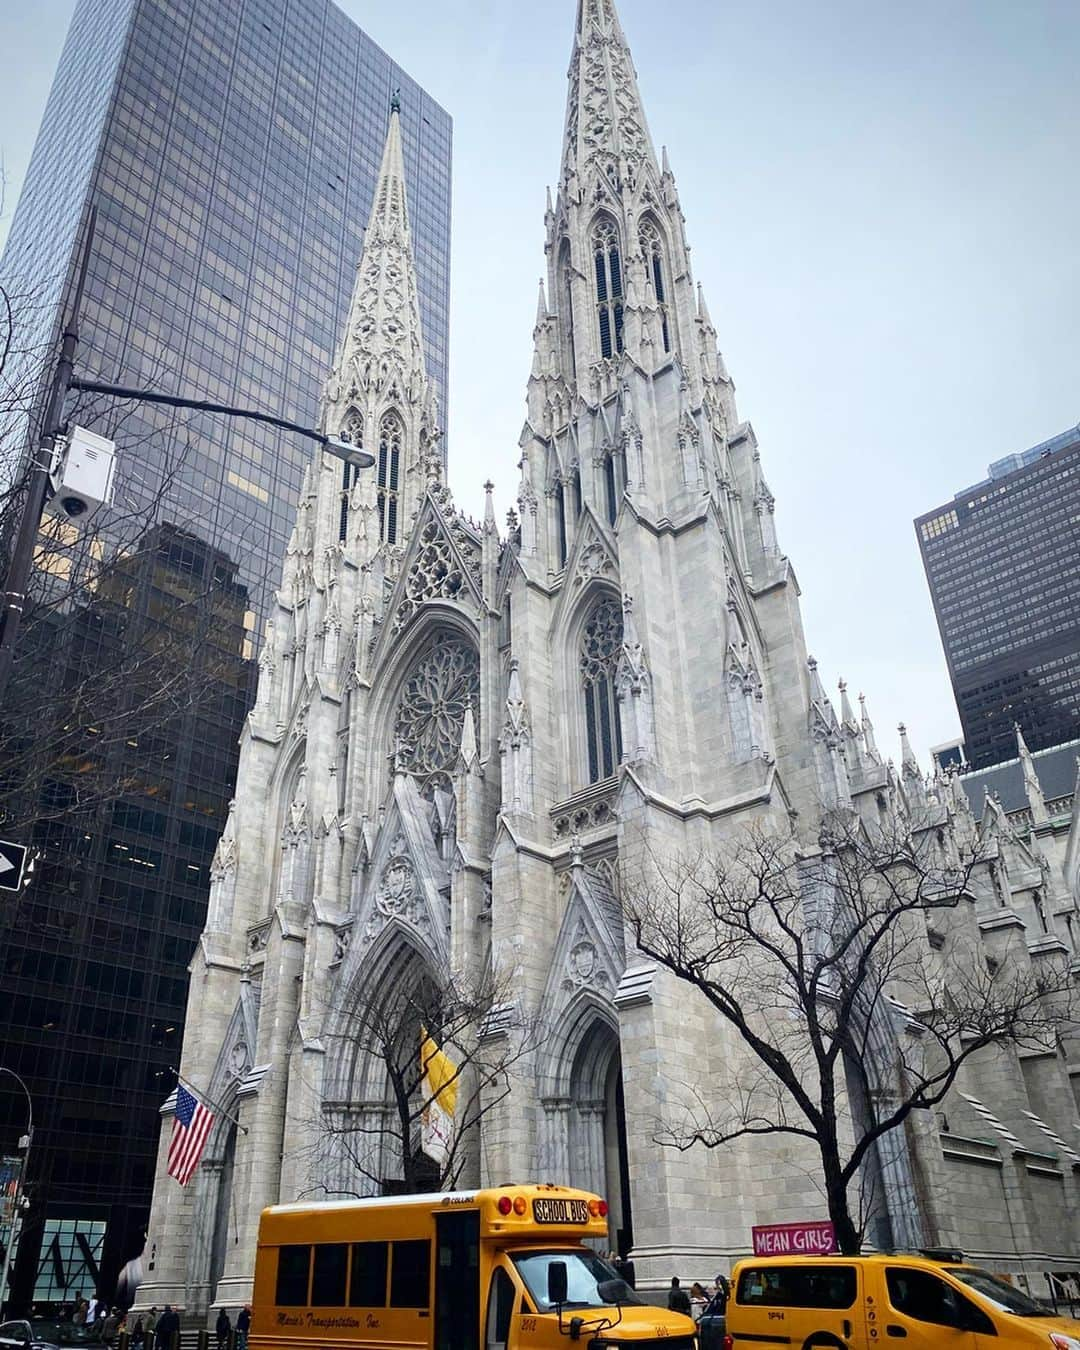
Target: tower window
600,644
613,486
609,287
560,521
389,477
352,432
652,249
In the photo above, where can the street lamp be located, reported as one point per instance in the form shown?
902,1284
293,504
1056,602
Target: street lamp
16,1210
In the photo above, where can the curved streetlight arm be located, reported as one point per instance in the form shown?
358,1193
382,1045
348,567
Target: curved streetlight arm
29,1101
351,454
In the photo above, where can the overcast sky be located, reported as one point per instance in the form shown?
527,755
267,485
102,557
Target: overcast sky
882,200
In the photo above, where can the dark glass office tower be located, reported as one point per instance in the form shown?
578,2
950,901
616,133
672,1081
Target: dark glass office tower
1003,562
231,149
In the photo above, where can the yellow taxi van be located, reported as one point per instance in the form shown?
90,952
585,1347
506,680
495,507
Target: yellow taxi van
910,1302
499,1269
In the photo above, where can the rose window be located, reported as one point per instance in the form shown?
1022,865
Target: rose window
431,713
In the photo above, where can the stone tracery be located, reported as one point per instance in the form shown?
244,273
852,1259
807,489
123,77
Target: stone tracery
431,710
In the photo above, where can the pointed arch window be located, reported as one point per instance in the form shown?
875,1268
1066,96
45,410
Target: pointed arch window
389,478
609,287
652,249
560,521
601,640
352,432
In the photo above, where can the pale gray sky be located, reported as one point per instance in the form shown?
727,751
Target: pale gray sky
883,203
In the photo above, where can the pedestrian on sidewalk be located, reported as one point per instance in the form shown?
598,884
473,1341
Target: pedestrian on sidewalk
678,1300
243,1326
223,1328
168,1326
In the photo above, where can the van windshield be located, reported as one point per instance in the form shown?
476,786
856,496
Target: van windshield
586,1274
1003,1296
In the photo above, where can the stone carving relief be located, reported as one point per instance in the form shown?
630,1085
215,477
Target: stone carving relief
258,938
431,712
594,815
342,939
593,561
583,968
398,894
515,747
224,860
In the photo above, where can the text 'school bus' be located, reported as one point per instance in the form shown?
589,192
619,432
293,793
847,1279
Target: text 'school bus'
497,1269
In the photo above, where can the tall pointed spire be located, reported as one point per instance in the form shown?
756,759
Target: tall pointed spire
1032,787
378,393
382,350
606,131
869,739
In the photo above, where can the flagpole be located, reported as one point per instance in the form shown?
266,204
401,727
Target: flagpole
208,1101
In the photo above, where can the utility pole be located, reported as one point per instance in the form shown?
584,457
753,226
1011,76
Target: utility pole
22,553
16,1212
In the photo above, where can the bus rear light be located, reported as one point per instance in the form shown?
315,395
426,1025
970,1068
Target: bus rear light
602,1209
520,1205
505,1204
729,1342
594,1208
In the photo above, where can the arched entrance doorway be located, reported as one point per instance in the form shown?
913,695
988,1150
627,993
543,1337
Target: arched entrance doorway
376,1122
597,1126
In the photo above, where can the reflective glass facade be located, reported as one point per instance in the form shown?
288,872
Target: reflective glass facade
1003,563
231,148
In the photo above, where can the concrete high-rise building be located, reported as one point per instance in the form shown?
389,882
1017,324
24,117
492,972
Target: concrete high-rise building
1003,563
231,149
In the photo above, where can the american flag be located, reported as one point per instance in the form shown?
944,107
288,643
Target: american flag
190,1131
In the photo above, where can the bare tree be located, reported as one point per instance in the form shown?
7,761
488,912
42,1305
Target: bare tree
816,959
474,1025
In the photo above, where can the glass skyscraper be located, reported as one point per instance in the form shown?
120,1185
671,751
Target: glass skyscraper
1003,562
231,148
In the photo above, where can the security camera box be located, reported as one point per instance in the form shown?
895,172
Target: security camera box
83,479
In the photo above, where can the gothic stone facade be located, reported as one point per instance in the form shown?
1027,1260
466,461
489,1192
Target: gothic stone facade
459,731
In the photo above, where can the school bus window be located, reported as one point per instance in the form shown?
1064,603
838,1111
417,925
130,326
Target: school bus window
293,1268
367,1288
410,1275
500,1308
328,1275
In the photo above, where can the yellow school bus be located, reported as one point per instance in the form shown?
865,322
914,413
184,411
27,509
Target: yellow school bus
501,1269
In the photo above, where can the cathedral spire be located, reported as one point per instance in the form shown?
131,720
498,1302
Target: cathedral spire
378,394
382,350
606,131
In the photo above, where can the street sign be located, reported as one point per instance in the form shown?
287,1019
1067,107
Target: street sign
794,1239
12,865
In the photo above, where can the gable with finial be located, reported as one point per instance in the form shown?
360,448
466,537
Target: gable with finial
405,885
589,955
442,563
592,556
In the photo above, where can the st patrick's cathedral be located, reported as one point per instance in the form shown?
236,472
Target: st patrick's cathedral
460,728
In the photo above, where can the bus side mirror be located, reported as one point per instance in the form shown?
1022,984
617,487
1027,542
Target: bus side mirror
557,1282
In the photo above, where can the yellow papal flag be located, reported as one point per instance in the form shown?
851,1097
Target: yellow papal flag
439,1085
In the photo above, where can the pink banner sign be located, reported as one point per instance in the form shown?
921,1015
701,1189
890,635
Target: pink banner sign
794,1239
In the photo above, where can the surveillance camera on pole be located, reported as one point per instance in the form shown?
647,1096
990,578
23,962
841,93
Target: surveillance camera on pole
82,476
